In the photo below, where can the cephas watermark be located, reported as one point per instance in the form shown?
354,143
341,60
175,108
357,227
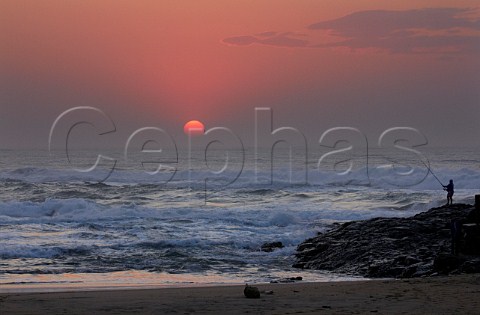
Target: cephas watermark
154,152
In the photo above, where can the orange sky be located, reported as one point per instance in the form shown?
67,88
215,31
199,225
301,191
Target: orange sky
166,62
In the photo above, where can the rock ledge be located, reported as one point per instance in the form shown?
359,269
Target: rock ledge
392,247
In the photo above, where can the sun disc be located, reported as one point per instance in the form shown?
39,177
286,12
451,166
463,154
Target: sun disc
194,127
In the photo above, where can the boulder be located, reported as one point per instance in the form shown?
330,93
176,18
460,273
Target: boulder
251,292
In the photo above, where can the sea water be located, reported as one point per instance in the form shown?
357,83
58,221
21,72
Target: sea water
203,218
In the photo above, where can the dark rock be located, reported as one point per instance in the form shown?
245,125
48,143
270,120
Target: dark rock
392,247
446,263
270,247
474,216
471,239
471,266
251,292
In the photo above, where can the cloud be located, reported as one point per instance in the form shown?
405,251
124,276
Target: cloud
241,40
266,34
382,23
433,29
430,30
268,38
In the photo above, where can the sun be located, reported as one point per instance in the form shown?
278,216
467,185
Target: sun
194,127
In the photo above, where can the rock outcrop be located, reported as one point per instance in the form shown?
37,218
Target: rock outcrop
270,247
392,247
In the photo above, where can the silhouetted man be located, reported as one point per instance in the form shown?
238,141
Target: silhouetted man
450,191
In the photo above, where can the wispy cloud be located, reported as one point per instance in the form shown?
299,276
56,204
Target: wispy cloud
268,38
433,30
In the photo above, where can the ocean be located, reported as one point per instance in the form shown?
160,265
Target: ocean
200,218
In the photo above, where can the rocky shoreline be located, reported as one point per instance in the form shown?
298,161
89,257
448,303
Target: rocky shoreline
415,246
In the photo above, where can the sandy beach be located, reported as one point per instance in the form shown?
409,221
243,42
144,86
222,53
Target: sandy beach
436,295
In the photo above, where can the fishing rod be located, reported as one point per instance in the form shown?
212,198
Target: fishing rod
430,170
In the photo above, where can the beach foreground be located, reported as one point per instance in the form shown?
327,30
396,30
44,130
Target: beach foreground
435,295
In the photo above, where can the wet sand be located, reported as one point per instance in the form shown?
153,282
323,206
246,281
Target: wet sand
435,295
